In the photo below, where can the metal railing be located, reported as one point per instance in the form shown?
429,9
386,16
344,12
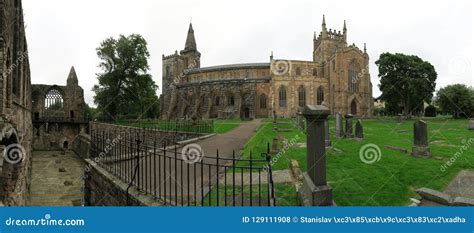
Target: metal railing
170,174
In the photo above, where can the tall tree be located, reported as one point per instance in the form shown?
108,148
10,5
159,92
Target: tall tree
125,87
457,99
406,80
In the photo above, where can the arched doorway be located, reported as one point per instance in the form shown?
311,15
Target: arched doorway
246,113
354,107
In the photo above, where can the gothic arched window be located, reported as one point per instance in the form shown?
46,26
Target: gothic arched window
263,101
301,96
353,79
218,101
53,100
320,96
282,96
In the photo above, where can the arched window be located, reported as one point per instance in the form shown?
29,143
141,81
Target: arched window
353,79
282,97
53,100
218,101
301,96
263,101
231,100
298,71
320,96
315,72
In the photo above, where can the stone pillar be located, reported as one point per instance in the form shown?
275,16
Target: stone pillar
420,140
339,130
348,133
327,140
359,130
315,191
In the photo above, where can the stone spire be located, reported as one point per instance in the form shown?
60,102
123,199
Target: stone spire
72,78
344,31
324,29
365,48
190,41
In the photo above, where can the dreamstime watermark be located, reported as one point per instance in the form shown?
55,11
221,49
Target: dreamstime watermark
466,144
192,153
21,57
370,153
110,144
109,63
275,158
459,65
44,221
361,74
281,67
14,153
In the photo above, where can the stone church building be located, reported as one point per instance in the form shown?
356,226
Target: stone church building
337,77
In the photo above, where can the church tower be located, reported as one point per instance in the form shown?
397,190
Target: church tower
328,42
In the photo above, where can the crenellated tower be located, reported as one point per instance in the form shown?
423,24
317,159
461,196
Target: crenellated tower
328,42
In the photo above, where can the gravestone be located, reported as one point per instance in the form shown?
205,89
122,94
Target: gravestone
301,123
399,118
349,133
420,140
471,124
359,130
339,130
315,190
327,140
274,117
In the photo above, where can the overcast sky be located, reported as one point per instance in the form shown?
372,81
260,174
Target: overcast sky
62,33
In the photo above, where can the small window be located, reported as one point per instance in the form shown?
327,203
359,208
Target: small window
231,101
298,71
218,101
315,72
334,65
301,96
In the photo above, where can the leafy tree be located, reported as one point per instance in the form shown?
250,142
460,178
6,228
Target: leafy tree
407,80
125,87
457,99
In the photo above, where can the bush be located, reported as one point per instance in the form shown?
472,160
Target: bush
430,111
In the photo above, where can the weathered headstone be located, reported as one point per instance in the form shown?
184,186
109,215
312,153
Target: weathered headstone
349,133
420,140
359,130
399,118
339,130
471,124
327,140
301,123
315,190
274,117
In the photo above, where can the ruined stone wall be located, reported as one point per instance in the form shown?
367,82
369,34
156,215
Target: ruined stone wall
15,103
82,145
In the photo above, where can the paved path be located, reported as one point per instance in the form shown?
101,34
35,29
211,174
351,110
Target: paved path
56,179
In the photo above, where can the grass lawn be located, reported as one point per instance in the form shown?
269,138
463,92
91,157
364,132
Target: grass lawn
220,126
393,179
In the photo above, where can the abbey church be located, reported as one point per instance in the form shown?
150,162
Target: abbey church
337,77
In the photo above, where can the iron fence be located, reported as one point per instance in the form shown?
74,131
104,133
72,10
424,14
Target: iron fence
158,167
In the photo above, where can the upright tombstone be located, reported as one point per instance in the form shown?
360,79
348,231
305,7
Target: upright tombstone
349,132
339,130
420,140
327,140
359,130
471,124
274,117
399,118
301,123
315,190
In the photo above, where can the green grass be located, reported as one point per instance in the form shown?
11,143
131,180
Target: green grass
393,179
285,195
220,126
